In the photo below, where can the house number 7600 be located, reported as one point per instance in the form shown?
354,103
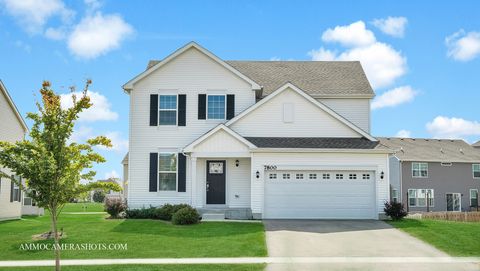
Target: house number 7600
270,167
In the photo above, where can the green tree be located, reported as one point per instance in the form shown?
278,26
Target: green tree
52,165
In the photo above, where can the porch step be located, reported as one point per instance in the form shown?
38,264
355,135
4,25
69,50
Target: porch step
213,216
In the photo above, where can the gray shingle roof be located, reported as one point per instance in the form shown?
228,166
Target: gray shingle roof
432,150
317,78
476,144
314,142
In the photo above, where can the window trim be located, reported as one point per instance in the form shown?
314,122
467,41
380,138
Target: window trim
225,108
394,195
176,172
416,197
176,109
420,170
470,193
473,170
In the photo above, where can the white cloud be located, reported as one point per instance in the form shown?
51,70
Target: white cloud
322,54
274,58
353,35
393,26
404,133
81,134
98,34
32,15
100,110
450,127
463,46
394,97
119,144
112,174
55,33
382,63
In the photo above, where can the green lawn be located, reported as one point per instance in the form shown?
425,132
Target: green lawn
83,207
144,238
455,238
186,267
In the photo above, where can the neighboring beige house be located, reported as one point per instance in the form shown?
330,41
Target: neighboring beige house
12,128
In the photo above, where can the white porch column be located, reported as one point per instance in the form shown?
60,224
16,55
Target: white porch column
193,161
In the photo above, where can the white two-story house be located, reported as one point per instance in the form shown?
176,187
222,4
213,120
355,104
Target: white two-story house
258,139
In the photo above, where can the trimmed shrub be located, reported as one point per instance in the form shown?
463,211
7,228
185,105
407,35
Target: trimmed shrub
395,210
114,207
177,207
186,216
98,196
143,213
165,212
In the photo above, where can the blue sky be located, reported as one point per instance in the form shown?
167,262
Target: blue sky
422,57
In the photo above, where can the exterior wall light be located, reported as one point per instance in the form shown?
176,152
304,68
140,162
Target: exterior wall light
382,174
257,174
237,163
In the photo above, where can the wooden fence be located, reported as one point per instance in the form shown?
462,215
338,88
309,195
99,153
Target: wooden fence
452,216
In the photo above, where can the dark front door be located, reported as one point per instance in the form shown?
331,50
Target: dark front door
215,182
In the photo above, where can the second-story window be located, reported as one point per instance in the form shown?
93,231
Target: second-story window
476,171
420,170
168,110
216,106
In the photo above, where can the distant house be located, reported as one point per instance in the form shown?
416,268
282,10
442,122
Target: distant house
111,192
125,176
434,174
12,128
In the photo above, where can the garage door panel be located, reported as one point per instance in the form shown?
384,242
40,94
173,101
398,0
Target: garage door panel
329,199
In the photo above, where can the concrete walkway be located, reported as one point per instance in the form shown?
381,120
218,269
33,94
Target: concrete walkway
250,260
352,239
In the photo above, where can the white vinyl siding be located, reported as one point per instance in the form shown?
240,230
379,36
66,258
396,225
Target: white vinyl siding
357,111
310,120
190,73
419,170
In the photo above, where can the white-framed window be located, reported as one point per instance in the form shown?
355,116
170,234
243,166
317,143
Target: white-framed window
167,171
16,190
167,110
476,171
339,176
286,176
394,195
352,176
419,170
326,176
366,176
473,197
272,176
216,106
312,176
299,176
418,197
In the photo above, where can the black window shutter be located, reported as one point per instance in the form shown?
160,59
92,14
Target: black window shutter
182,173
11,190
202,106
182,110
153,172
230,106
153,109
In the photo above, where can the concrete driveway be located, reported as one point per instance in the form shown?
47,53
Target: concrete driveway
349,238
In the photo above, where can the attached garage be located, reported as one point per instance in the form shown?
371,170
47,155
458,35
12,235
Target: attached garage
320,195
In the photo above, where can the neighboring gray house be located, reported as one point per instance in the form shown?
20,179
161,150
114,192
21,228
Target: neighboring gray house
445,171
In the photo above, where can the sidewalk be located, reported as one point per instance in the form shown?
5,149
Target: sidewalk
249,260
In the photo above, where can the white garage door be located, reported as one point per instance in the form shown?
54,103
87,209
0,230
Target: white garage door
320,194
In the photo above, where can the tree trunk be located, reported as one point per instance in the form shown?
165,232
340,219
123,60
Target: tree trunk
56,238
